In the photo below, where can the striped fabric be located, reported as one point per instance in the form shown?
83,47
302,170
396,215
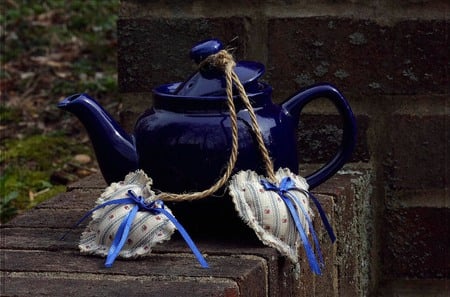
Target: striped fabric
266,213
146,231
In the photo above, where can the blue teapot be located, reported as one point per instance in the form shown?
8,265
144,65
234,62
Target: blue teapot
183,142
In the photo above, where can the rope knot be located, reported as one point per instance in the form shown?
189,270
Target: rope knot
222,60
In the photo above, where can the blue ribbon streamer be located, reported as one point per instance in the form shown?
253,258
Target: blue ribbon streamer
286,185
324,218
310,225
322,213
155,207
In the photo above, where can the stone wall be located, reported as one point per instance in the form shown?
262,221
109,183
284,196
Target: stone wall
391,61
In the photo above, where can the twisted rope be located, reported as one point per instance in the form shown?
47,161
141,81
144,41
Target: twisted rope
256,129
224,61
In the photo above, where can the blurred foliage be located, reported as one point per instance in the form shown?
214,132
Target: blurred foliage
74,39
25,181
48,50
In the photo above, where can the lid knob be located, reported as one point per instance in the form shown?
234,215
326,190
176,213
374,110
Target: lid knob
204,49
209,81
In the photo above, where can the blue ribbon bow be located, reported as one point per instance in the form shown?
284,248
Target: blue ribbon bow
155,207
286,185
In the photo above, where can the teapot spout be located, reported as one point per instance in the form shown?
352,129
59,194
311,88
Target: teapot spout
114,148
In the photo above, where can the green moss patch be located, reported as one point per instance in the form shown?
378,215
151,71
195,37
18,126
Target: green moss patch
27,166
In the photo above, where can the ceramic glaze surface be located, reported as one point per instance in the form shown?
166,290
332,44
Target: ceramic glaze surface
187,149
184,141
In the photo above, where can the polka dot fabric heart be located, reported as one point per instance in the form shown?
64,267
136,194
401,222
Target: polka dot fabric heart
147,229
281,218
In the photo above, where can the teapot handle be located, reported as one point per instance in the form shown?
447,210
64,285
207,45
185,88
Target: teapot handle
294,105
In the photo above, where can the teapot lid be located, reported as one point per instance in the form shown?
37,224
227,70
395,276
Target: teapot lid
211,82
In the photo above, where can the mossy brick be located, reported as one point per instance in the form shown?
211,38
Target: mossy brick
309,284
357,55
319,137
325,284
155,50
306,283
349,252
354,228
417,241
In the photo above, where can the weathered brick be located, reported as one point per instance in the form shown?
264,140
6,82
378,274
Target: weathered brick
28,238
246,272
57,284
236,262
73,200
414,288
155,51
417,149
354,227
48,218
304,51
309,284
360,56
134,105
325,284
282,279
416,242
420,57
90,183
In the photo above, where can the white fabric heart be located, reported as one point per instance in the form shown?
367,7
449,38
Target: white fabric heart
264,207
147,229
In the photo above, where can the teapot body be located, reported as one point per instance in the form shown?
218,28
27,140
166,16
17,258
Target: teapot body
184,143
